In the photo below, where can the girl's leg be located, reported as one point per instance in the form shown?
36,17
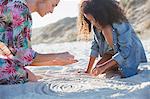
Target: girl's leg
106,57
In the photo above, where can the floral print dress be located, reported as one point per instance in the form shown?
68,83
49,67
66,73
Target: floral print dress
15,34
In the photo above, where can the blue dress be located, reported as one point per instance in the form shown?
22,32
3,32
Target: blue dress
128,49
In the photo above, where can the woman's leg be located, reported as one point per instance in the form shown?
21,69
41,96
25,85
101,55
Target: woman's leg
31,76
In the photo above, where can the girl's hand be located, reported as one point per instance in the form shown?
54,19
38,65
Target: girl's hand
88,71
83,71
98,70
90,65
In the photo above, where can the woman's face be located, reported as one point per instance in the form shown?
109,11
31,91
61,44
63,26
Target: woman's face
46,6
93,21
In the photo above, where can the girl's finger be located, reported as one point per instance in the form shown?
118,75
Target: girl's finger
94,72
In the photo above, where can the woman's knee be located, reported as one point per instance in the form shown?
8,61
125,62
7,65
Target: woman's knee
31,76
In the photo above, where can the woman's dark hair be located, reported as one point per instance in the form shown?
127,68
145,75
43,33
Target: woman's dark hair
105,12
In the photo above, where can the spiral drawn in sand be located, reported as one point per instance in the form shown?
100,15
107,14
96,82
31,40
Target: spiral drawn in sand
59,87
69,82
65,87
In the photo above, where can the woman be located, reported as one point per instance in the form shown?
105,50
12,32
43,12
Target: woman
15,35
114,38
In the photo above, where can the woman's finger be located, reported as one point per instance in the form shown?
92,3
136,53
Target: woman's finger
72,61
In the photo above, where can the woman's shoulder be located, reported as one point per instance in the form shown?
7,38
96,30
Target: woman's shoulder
16,5
6,2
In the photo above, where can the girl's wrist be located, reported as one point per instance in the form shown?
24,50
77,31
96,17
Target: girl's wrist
88,70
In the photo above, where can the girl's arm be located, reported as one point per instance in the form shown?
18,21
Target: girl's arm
99,69
94,53
124,37
124,34
90,65
53,59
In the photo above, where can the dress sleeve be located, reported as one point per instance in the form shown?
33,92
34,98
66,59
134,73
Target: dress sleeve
124,31
21,23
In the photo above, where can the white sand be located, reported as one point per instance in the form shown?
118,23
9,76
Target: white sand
67,83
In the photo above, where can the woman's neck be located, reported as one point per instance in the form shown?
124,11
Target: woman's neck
31,5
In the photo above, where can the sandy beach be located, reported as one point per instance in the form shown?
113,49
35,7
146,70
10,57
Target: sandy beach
67,83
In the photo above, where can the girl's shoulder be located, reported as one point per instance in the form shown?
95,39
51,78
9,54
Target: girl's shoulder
122,27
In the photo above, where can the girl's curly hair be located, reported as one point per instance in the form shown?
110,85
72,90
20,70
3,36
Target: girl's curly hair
105,12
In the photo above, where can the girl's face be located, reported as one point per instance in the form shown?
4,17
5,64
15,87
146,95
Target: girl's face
93,21
46,6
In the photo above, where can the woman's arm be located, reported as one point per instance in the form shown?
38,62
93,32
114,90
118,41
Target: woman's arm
53,59
4,51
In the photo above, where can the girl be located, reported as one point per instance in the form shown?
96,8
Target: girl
15,35
114,38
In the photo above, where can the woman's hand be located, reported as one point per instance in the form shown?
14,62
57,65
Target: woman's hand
64,59
54,59
4,50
